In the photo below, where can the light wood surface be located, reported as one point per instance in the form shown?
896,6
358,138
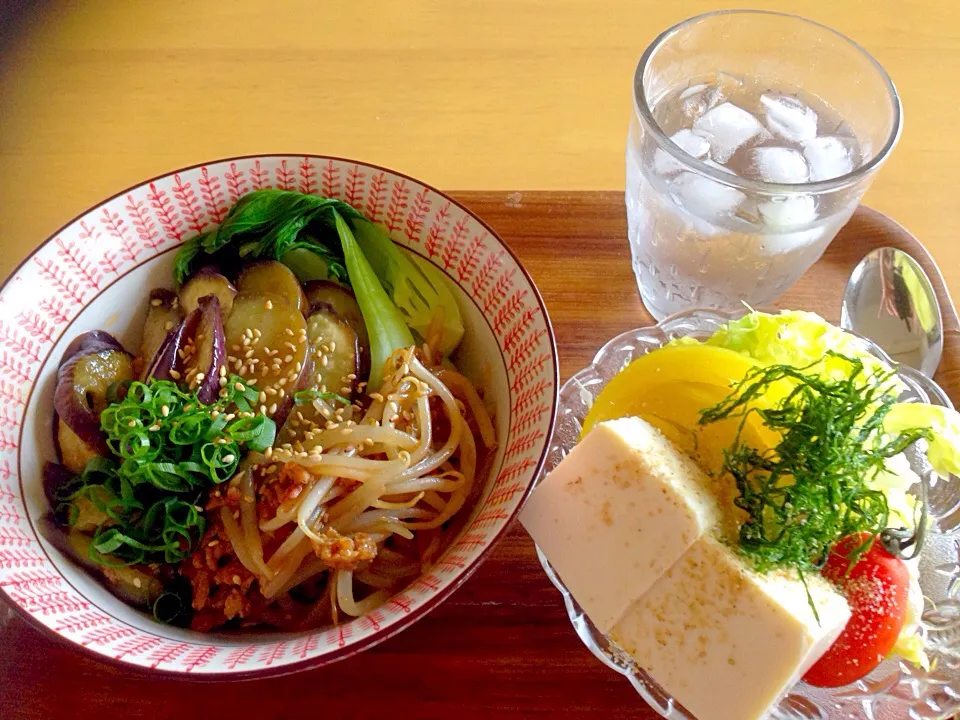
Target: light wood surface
501,646
499,94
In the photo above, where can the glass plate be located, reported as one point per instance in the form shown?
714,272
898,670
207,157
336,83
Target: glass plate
896,689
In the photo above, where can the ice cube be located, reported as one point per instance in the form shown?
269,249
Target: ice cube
688,141
789,118
727,127
777,164
724,86
783,212
704,197
693,90
829,156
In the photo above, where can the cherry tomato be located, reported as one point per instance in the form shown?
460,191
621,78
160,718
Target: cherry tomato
876,589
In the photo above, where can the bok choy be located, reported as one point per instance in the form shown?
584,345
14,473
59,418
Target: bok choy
326,239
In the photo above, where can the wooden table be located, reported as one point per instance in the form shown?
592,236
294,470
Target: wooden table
500,94
501,646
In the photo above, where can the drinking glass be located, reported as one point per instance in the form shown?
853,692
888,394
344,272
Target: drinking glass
753,137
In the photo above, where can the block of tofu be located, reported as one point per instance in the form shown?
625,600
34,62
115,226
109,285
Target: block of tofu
725,641
616,513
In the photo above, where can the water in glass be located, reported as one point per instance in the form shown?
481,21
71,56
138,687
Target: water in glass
697,242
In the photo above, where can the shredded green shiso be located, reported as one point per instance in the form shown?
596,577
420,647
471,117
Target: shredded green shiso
813,488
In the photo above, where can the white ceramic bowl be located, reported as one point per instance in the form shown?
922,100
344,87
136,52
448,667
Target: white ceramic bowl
94,273
895,690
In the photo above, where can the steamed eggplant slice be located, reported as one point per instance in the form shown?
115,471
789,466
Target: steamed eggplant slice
336,360
167,364
344,303
266,340
83,381
273,278
336,354
89,342
73,452
163,316
201,367
207,281
131,583
59,482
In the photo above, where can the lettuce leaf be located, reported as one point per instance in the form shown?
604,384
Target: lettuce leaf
943,447
792,337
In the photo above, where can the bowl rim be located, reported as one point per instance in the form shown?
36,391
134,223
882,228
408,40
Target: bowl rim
428,605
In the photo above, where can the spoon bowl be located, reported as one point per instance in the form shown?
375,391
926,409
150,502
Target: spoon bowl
890,300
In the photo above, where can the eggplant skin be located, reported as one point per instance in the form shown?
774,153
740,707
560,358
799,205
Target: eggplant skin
167,357
90,342
211,348
91,363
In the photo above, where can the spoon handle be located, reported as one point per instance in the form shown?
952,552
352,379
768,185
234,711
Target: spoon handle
948,374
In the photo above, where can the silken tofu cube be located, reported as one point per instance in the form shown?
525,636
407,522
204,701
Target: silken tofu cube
616,513
725,641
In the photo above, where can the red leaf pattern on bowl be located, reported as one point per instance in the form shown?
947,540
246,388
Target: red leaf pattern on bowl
88,256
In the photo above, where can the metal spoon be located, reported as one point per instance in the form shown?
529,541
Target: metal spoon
890,300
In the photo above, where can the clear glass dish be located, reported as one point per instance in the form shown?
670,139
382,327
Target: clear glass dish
893,691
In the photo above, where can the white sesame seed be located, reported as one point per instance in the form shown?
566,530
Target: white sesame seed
272,409
174,374
268,305
156,302
153,428
168,325
164,410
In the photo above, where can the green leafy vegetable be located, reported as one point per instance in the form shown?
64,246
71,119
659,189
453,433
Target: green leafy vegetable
943,450
169,449
791,337
295,229
267,224
815,486
416,287
184,263
385,325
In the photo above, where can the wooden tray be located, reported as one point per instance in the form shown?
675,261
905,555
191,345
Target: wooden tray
501,647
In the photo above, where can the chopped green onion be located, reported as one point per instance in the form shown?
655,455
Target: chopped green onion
170,449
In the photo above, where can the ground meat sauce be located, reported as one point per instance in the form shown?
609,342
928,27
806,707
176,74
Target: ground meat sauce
278,487
345,552
224,591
